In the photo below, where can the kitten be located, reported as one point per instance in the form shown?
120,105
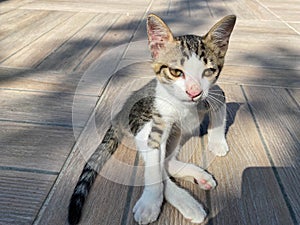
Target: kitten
164,112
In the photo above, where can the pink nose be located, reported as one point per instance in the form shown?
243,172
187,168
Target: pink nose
194,91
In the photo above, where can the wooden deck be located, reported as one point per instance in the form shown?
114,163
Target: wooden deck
56,104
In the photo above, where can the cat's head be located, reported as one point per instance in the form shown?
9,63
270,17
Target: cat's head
188,65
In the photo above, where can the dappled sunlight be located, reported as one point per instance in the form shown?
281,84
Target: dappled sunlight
59,91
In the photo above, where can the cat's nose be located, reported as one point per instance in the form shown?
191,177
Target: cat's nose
194,93
193,89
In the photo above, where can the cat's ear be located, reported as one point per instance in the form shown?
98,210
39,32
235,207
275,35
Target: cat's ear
218,36
159,34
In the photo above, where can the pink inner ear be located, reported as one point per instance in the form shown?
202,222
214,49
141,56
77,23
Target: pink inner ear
158,35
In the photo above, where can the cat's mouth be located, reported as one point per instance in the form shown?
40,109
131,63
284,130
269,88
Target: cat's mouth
197,99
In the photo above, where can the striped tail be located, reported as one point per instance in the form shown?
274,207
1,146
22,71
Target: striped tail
95,163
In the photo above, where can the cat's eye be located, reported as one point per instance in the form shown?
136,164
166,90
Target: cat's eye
209,72
176,72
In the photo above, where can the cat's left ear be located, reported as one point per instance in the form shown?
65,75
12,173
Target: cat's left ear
218,36
159,34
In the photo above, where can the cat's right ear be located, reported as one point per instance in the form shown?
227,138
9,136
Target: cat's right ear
159,34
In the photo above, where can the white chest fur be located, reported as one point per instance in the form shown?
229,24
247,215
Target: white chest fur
175,111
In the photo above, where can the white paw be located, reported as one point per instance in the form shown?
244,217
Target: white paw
219,148
204,179
192,210
147,208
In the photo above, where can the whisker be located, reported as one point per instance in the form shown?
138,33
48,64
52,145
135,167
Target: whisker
216,99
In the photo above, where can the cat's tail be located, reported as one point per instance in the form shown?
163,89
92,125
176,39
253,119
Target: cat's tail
93,166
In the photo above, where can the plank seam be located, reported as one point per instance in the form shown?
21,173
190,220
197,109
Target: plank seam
293,99
8,57
209,9
126,210
65,125
280,19
274,169
63,43
97,42
207,194
128,200
254,85
74,147
48,92
28,170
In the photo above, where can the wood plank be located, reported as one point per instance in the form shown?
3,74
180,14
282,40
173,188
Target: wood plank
199,10
179,8
90,7
45,108
278,118
218,9
284,56
160,7
16,20
31,55
295,94
250,10
245,175
260,76
7,6
105,192
295,26
72,52
118,35
34,147
19,39
22,194
40,81
253,46
284,11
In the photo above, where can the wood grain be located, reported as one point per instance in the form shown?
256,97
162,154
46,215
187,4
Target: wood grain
45,108
110,186
295,94
24,37
118,35
278,121
69,49
22,194
246,181
90,7
34,147
17,20
72,52
260,76
31,55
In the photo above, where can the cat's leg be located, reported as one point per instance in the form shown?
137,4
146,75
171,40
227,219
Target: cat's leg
147,208
190,172
216,131
189,207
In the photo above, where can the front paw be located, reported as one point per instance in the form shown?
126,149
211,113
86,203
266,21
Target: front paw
219,148
192,210
147,208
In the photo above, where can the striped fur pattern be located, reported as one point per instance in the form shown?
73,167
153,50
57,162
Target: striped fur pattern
89,174
161,113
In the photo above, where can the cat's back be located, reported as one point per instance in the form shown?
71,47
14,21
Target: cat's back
135,97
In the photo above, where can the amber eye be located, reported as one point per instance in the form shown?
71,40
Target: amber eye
209,72
176,72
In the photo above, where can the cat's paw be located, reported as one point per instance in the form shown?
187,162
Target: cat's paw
219,148
147,208
204,179
192,210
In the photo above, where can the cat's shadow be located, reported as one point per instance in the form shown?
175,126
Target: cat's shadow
231,110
